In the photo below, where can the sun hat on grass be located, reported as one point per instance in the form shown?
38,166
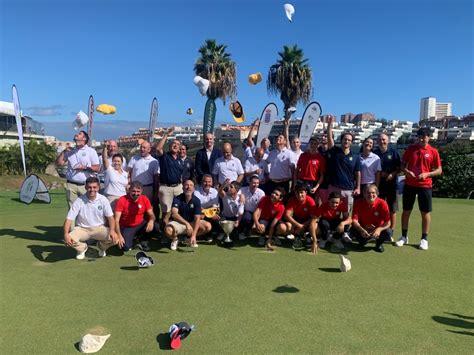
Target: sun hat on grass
92,343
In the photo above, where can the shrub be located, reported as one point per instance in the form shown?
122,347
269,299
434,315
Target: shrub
38,155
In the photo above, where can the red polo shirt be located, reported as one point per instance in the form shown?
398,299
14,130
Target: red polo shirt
326,212
311,166
132,211
301,210
419,160
376,214
270,210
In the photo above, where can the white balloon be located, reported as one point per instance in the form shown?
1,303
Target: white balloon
289,10
202,84
80,121
196,79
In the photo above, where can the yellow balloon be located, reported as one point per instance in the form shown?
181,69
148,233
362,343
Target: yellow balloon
106,109
189,111
254,79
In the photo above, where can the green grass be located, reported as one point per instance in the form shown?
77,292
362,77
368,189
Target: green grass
402,301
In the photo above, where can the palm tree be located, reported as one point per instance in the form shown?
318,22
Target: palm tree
216,66
291,77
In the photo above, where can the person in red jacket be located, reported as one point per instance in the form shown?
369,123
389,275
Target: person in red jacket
371,219
420,163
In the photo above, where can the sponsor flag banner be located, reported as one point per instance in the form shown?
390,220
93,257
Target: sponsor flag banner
90,114
308,122
267,119
34,188
153,117
16,108
209,116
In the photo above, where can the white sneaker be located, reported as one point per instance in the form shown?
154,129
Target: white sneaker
144,245
401,241
322,243
346,238
276,240
102,253
423,244
290,237
82,255
242,236
261,241
174,244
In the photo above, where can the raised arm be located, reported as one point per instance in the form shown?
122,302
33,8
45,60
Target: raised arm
161,143
330,119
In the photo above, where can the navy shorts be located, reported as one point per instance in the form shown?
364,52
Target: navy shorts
424,198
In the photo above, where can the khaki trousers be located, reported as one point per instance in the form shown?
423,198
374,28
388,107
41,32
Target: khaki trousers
80,235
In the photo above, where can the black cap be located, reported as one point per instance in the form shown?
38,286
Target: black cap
423,132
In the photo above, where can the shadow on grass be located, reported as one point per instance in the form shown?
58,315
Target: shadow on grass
286,289
34,202
330,269
458,322
52,253
129,268
50,234
163,341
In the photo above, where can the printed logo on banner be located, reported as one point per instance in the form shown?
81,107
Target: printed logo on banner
268,115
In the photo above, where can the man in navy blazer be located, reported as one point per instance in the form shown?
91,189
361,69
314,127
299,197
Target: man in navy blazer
206,157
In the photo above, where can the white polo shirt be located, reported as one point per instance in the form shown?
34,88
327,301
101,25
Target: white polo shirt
210,199
232,207
369,167
251,165
87,213
85,156
144,169
227,169
115,183
251,199
281,164
249,152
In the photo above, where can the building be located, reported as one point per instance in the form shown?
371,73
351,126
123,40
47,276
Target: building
363,117
429,108
347,117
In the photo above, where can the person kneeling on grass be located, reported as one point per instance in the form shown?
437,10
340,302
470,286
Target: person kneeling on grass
371,219
268,214
298,213
90,211
233,203
186,218
129,218
332,222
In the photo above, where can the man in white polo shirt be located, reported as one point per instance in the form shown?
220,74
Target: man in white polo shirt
256,165
90,211
282,163
145,169
252,194
227,167
209,198
82,162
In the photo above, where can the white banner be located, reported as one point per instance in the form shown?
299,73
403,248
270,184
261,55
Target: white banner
153,116
308,123
267,119
16,107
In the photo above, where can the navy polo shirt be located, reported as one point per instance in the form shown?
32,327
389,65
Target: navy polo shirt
171,170
187,210
342,168
390,160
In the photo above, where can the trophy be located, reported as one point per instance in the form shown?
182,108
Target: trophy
227,227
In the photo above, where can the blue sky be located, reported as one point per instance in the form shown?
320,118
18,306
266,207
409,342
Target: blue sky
380,56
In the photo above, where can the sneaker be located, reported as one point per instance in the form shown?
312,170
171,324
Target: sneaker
389,241
290,237
338,244
261,241
423,244
242,236
401,241
174,244
194,244
82,255
322,243
209,238
346,238
102,253
220,236
276,240
144,245
379,249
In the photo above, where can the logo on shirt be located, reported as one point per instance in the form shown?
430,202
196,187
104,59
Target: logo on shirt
350,158
99,208
305,209
376,213
139,206
427,155
84,154
191,205
389,157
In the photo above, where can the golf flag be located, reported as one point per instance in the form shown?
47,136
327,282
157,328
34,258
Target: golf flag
209,116
153,117
267,119
90,114
308,123
16,107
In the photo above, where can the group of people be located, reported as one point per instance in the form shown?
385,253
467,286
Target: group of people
317,195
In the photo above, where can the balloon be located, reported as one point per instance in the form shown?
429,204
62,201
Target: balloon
80,121
255,78
106,109
202,84
189,111
237,112
289,10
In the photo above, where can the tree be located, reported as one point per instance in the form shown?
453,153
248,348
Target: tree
38,156
291,77
215,65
